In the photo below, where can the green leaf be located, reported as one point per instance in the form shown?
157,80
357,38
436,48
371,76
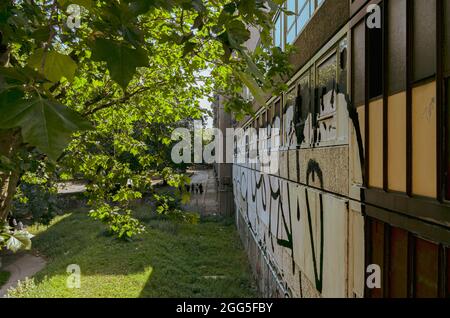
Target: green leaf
121,60
13,244
237,32
188,48
44,123
53,65
25,238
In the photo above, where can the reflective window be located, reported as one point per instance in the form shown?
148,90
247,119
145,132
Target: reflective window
289,25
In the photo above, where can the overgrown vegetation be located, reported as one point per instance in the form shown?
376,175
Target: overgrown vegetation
96,96
169,260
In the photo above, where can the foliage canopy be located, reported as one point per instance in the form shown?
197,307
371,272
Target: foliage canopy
99,100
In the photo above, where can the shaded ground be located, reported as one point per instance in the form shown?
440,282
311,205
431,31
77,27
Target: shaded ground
18,267
204,260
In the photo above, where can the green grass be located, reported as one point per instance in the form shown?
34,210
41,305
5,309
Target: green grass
169,260
4,276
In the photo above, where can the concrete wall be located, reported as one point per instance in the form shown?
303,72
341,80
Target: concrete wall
358,179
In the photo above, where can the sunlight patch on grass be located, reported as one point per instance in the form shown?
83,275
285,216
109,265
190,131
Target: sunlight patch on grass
169,260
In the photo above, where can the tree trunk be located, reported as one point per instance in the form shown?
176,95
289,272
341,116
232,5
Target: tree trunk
10,141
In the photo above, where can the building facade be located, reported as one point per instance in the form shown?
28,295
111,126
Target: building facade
363,179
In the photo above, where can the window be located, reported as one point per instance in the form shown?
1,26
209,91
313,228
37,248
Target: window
342,77
278,109
359,62
278,32
302,10
302,111
396,37
288,118
288,26
375,61
447,37
424,44
447,107
326,84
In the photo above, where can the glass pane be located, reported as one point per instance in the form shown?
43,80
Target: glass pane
291,18
291,35
304,15
301,4
276,32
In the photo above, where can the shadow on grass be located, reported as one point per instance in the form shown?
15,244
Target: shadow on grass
169,260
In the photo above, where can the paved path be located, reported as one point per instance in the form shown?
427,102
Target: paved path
20,266
206,202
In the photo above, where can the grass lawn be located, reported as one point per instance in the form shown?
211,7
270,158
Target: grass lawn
169,260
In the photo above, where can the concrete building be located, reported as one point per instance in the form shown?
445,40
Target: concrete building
363,180
223,171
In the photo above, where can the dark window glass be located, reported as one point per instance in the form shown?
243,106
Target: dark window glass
447,109
447,36
375,61
358,70
396,37
424,35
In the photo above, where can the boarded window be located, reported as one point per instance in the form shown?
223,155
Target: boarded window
398,264
271,114
447,108
448,272
426,269
289,121
342,80
377,257
326,83
424,36
358,70
278,109
396,37
302,110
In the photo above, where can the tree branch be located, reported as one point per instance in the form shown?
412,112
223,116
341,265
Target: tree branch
116,101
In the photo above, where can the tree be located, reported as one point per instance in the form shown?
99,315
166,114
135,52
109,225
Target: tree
94,88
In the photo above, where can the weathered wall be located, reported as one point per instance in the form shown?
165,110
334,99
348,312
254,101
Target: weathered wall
303,233
361,176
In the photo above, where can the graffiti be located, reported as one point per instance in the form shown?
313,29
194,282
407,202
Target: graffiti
297,222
